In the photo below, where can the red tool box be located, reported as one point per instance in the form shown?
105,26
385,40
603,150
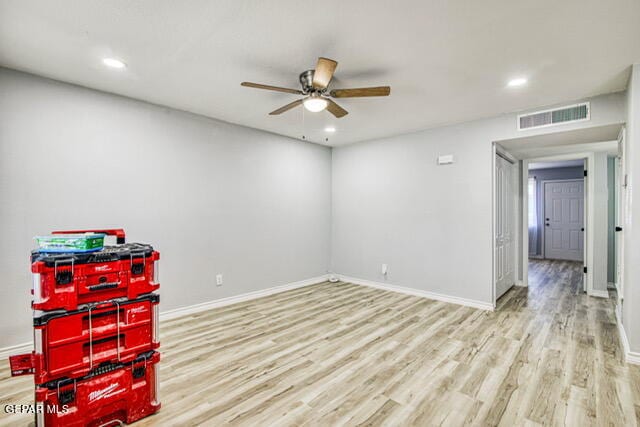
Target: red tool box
95,334
65,281
119,393
71,344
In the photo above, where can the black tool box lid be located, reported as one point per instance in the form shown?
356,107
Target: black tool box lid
106,254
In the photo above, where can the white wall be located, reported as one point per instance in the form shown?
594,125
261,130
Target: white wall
431,224
631,303
210,196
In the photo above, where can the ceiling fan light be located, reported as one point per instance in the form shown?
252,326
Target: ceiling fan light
315,104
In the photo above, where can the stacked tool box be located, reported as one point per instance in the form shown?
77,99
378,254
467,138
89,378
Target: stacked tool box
95,332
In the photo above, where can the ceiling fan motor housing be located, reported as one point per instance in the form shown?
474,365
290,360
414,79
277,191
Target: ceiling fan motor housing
306,80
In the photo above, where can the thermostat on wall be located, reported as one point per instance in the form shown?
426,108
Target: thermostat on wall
445,160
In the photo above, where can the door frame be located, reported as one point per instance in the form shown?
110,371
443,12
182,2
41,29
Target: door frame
543,192
497,150
589,211
621,215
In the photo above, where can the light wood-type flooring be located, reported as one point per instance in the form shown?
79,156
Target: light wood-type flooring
341,354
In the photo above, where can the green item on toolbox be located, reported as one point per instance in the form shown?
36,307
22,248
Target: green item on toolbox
88,242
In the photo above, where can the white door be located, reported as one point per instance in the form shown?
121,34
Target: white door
564,220
504,227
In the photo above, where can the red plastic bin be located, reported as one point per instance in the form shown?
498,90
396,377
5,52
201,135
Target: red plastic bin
66,281
73,344
120,393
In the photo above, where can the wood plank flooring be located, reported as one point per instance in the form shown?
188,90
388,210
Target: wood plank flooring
341,354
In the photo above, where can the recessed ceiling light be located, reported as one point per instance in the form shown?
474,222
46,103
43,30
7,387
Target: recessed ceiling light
517,82
113,63
330,129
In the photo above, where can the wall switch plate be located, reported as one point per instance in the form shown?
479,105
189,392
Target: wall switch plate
218,279
445,160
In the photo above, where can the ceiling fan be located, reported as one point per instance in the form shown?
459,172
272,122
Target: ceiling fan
315,88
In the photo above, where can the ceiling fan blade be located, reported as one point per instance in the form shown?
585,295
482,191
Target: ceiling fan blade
323,72
363,91
336,110
267,87
286,107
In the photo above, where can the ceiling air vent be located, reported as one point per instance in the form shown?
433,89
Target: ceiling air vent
557,116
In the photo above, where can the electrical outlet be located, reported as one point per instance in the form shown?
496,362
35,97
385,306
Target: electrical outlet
218,279
384,269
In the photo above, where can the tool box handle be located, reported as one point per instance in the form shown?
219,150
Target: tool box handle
118,232
117,304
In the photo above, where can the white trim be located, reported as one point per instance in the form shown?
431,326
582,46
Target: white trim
197,308
494,153
419,293
632,357
598,293
16,349
500,151
524,222
621,218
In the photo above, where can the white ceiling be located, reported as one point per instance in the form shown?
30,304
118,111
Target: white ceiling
446,61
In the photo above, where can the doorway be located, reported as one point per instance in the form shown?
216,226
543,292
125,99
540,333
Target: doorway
591,150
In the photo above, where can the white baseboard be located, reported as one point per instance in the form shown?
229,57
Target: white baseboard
599,294
191,309
419,293
16,349
196,308
632,357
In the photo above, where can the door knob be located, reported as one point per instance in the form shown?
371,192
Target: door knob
618,228
547,224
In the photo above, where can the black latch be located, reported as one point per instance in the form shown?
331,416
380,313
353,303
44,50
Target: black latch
137,269
585,269
64,277
67,396
138,372
585,173
618,228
